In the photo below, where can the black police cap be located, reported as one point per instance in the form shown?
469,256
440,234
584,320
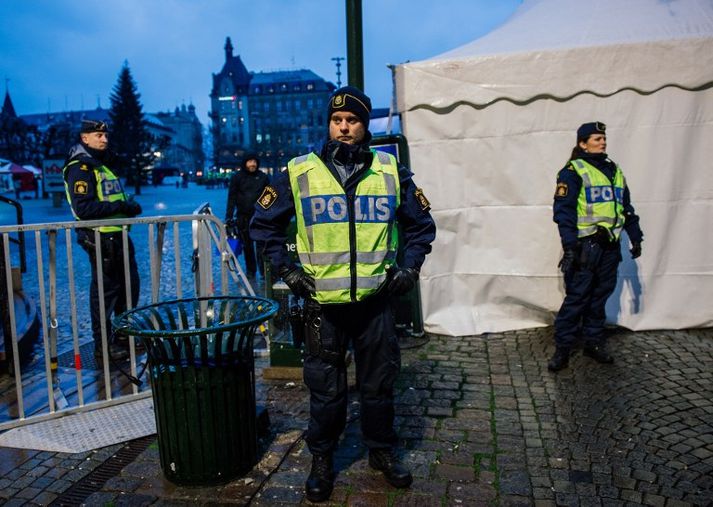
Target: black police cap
89,126
587,129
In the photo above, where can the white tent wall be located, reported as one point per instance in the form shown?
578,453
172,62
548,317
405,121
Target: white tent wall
487,135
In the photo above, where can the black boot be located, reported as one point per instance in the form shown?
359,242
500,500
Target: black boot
559,360
598,353
394,471
320,482
116,352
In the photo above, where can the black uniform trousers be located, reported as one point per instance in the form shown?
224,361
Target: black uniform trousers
251,249
113,278
369,327
588,285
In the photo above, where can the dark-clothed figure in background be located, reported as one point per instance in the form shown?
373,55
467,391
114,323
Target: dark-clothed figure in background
245,187
347,201
94,192
592,206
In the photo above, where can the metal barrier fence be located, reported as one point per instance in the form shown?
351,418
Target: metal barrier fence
63,295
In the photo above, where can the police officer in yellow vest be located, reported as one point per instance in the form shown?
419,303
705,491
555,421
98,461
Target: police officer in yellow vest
347,202
592,206
94,192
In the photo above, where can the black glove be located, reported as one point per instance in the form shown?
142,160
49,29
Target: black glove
130,208
635,250
567,260
401,280
299,282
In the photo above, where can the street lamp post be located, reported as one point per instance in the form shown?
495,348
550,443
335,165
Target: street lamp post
355,52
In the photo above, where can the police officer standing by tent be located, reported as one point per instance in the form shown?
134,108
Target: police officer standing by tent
347,201
591,207
94,192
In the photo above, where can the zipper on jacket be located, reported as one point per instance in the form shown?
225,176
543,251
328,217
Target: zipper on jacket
352,248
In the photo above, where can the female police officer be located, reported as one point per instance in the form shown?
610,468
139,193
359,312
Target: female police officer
591,207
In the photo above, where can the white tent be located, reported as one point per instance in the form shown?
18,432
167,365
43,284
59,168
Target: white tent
491,123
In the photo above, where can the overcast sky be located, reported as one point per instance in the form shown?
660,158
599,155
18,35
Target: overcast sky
66,54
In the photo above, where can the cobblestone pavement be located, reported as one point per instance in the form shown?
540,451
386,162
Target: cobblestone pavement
482,422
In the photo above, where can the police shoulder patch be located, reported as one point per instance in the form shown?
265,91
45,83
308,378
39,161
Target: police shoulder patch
561,190
268,197
81,187
425,204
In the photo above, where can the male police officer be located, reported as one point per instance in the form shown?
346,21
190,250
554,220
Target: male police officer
347,201
94,192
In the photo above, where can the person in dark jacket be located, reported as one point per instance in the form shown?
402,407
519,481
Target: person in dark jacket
245,187
347,201
94,192
592,205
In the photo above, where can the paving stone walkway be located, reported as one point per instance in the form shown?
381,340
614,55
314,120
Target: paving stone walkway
482,422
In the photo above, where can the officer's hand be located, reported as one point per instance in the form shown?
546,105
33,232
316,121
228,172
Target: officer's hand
401,280
131,208
299,282
567,260
635,250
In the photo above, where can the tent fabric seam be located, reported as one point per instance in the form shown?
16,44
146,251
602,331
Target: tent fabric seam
546,96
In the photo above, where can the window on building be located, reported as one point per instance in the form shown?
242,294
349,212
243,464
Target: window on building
224,119
283,87
299,140
242,120
310,104
267,107
257,89
297,105
233,137
310,86
296,87
242,138
278,106
258,138
240,105
271,89
267,137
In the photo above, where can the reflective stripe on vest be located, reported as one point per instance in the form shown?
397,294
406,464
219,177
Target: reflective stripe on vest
600,202
108,189
346,246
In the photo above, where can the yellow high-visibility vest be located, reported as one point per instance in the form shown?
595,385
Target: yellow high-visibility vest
108,189
345,244
600,201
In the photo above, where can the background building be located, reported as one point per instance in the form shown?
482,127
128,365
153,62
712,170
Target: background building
277,115
185,150
178,135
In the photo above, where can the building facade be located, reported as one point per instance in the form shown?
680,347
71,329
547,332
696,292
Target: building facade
177,136
185,151
277,115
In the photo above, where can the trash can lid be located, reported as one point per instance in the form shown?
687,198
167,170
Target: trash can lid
195,316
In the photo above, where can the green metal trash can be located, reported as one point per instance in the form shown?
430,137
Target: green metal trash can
200,362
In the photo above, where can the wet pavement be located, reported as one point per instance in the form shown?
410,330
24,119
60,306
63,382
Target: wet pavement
481,421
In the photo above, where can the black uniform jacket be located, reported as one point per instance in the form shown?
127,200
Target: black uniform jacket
569,184
245,188
82,185
418,228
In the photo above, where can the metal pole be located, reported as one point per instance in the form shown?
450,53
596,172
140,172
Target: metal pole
355,53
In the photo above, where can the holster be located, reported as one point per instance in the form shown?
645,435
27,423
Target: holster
85,239
314,345
297,325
